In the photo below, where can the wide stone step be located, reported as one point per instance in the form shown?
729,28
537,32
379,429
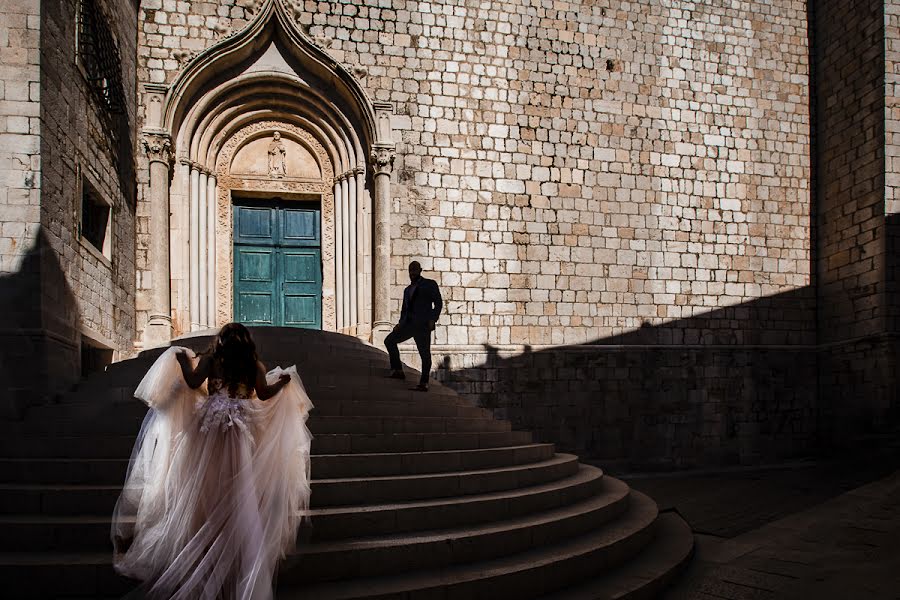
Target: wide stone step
391,391
385,519
61,533
134,410
378,556
61,575
623,552
80,499
110,471
397,488
121,425
89,446
646,575
412,463
539,570
342,443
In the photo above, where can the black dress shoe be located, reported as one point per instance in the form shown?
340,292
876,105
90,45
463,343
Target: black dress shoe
419,388
396,375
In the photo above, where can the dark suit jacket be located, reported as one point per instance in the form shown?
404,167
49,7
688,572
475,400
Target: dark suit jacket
421,304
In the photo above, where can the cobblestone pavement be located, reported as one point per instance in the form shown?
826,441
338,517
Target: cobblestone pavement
773,534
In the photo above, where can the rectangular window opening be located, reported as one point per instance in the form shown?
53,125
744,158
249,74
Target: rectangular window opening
93,226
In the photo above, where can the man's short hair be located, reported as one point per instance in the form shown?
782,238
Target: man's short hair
416,264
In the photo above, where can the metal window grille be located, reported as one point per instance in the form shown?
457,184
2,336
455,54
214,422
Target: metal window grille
100,56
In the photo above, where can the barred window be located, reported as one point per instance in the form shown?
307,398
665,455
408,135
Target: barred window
98,55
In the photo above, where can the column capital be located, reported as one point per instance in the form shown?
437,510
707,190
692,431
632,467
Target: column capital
158,146
383,159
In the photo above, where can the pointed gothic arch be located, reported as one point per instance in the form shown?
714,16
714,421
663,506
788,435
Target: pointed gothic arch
267,78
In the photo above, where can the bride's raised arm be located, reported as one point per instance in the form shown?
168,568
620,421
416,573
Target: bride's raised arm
194,377
264,391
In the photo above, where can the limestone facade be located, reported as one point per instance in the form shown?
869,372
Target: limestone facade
60,139
570,172
645,217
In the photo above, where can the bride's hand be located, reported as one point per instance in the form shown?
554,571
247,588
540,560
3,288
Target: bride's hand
283,379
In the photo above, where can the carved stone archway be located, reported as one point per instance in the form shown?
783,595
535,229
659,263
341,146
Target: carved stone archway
280,76
287,186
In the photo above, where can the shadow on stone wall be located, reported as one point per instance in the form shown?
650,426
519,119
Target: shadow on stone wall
735,385
39,356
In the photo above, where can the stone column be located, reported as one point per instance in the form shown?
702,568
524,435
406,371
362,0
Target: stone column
339,291
201,245
159,327
363,255
347,246
382,164
353,219
195,248
211,203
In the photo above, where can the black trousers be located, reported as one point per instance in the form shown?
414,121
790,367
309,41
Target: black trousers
422,335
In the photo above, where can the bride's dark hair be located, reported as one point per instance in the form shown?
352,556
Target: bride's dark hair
234,353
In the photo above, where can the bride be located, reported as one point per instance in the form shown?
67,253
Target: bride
219,476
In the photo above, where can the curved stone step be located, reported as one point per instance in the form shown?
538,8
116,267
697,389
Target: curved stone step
117,446
397,488
413,463
384,519
645,576
134,410
526,574
61,575
112,470
79,499
340,443
384,555
112,424
61,533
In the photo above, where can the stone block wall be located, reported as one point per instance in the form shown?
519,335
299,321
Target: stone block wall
58,289
854,62
574,171
20,181
81,138
20,163
638,407
849,69
702,398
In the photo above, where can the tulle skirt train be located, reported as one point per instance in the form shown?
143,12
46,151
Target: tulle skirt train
215,490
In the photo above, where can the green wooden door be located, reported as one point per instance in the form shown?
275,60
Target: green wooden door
277,265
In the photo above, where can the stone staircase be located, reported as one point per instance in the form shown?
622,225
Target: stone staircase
414,495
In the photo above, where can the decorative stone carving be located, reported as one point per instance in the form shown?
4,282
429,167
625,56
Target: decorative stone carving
228,182
221,30
323,41
360,71
158,147
383,160
277,157
182,56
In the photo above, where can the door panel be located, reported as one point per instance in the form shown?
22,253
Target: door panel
299,227
255,225
277,265
302,287
255,282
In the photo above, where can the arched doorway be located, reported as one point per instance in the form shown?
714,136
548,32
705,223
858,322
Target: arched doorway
265,120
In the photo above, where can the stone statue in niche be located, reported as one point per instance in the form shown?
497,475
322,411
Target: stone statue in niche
277,154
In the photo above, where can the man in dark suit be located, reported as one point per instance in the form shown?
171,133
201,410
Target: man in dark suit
421,309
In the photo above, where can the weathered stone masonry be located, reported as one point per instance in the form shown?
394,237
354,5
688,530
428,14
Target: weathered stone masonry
58,290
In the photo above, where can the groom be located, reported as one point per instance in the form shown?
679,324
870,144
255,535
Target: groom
421,308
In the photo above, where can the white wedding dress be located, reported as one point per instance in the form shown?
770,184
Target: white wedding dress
216,487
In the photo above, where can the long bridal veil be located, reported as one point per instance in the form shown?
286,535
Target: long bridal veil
213,498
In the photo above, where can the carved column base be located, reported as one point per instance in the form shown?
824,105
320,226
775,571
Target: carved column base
380,331
158,332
